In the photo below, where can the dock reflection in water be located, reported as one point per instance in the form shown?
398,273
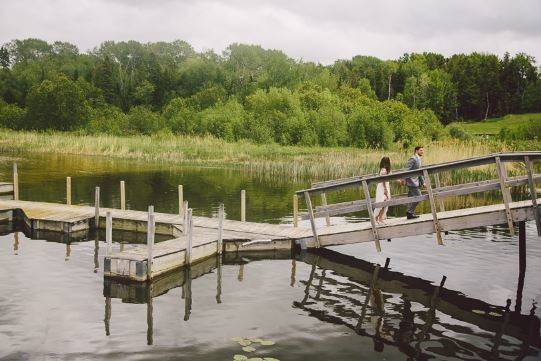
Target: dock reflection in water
419,319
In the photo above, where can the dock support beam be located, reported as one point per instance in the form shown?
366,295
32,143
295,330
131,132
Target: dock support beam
502,175
295,210
371,215
181,209
221,212
97,207
433,208
122,195
243,205
438,185
68,191
108,233
521,263
150,241
189,238
15,182
311,215
533,194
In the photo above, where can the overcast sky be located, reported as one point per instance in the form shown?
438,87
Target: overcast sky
314,30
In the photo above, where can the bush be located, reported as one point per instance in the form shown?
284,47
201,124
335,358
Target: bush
109,120
142,120
531,130
225,121
458,132
57,104
11,116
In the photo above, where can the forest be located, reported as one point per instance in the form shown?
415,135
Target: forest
260,95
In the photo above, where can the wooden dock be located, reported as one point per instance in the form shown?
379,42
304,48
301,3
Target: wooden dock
194,239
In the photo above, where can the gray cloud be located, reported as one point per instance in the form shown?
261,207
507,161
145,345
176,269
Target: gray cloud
312,30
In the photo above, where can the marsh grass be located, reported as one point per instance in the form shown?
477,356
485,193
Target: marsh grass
267,160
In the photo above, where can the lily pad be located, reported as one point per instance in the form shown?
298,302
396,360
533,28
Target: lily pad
255,359
496,314
245,342
248,349
267,343
240,358
479,312
270,359
256,340
236,339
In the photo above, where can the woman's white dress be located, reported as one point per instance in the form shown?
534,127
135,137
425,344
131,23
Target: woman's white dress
380,194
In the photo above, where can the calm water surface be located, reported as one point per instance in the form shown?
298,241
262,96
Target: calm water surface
54,303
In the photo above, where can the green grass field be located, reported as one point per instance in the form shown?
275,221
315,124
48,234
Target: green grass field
494,125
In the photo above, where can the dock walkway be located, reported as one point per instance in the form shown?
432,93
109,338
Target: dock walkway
209,236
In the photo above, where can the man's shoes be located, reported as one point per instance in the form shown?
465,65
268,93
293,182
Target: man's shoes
411,216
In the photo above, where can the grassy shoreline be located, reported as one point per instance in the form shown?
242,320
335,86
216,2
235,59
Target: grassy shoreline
267,159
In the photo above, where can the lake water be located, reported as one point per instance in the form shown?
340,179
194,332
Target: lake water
55,304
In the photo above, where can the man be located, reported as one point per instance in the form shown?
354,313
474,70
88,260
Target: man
414,183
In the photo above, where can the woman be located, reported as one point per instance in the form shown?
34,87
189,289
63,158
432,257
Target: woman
383,192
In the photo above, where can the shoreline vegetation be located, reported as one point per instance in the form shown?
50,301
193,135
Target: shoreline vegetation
268,160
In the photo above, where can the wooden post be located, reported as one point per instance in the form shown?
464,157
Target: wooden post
189,238
181,200
438,185
243,205
150,241
108,233
533,194
375,276
295,210
68,191
324,204
219,279
185,217
221,212
311,215
521,263
433,208
371,215
502,175
97,207
15,182
122,195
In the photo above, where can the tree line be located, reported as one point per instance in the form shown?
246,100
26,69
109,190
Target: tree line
248,92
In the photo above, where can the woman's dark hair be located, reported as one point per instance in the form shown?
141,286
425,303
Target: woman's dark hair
385,163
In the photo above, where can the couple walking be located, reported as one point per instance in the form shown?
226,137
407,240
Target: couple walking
383,191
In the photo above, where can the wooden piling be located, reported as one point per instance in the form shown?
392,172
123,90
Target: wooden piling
185,218
108,233
371,215
324,204
295,210
221,212
533,194
97,207
15,182
122,195
312,219
521,264
68,191
189,238
502,175
150,241
437,227
181,209
243,205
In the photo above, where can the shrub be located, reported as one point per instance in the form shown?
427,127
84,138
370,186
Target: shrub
530,130
108,119
144,121
224,121
11,116
458,132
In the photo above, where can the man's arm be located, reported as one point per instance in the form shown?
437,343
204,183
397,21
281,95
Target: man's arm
411,164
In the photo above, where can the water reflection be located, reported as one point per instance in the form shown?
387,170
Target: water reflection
408,314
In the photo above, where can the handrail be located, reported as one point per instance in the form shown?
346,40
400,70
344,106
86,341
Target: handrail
434,168
434,193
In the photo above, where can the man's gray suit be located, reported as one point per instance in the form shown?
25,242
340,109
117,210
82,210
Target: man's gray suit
414,183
